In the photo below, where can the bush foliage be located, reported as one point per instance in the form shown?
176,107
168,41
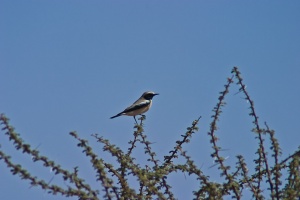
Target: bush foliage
153,177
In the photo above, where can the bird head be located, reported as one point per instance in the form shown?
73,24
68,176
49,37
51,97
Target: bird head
149,95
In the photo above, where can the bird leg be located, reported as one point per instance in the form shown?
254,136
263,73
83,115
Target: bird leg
135,119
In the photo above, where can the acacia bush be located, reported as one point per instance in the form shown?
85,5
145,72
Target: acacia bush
153,177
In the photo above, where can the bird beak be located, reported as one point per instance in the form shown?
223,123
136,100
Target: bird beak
156,94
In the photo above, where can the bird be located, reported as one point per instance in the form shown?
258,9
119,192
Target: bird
139,107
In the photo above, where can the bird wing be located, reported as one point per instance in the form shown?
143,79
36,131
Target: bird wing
137,105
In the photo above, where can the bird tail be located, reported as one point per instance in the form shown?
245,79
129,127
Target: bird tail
118,115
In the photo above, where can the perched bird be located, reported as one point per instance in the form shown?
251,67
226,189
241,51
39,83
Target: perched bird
139,107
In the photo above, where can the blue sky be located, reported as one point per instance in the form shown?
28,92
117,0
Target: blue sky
70,65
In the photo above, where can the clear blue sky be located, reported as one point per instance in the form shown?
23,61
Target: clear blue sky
70,65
